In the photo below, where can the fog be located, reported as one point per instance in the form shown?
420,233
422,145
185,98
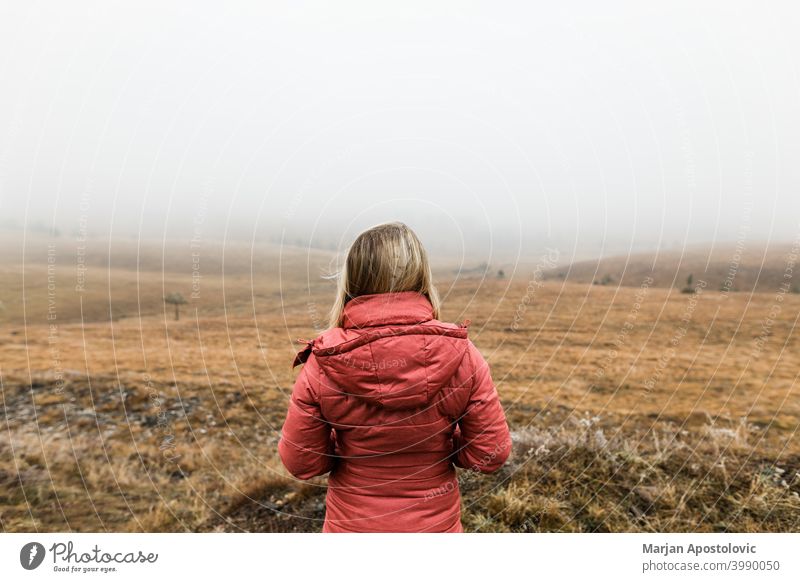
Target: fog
488,127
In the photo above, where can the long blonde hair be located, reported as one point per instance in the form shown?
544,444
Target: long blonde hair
387,258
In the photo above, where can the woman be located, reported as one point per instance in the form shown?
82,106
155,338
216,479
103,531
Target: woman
390,399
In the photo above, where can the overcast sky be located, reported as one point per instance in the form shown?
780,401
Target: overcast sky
605,125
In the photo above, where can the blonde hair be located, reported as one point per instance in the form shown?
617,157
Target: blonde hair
387,258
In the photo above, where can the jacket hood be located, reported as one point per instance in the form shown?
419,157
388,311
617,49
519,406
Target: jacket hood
390,352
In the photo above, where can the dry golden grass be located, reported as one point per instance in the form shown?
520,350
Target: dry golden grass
632,410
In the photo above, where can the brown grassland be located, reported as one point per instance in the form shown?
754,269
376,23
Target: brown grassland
636,408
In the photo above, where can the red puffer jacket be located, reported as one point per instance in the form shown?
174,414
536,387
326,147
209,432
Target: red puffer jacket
388,404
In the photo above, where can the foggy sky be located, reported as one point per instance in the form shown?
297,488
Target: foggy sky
483,125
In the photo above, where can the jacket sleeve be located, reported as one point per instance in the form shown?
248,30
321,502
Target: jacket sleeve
307,442
482,440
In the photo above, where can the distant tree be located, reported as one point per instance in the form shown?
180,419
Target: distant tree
177,300
689,281
795,288
501,274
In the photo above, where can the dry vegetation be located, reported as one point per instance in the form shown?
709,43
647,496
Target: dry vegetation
632,409
730,267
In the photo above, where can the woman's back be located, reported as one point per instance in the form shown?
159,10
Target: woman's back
388,403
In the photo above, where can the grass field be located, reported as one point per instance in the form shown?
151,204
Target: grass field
636,408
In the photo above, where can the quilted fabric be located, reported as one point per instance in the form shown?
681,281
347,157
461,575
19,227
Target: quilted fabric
389,404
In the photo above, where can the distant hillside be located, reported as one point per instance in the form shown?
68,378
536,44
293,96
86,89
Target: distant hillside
67,280
753,267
